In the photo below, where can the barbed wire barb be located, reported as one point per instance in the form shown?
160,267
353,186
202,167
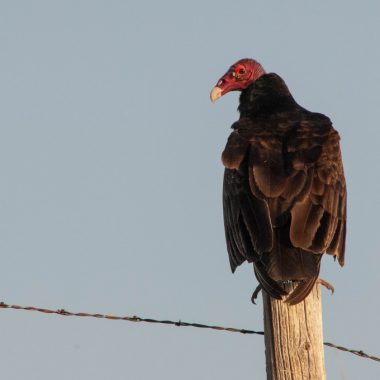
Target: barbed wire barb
179,323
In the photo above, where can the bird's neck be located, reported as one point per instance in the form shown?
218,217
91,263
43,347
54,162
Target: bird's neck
268,94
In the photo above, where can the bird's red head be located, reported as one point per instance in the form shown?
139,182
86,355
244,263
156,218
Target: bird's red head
238,77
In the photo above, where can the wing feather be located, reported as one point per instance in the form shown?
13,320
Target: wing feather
317,221
284,199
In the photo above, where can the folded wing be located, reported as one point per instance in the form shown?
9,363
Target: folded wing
284,199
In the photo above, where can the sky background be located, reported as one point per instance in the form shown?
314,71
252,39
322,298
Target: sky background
111,180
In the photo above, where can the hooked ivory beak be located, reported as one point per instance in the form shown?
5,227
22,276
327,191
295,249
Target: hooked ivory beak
215,94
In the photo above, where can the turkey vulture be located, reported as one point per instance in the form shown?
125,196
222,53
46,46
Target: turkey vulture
284,191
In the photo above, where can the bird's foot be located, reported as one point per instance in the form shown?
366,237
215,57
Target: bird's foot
255,294
326,284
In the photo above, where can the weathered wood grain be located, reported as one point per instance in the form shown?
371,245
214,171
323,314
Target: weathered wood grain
294,338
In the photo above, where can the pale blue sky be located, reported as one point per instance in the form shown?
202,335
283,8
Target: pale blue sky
111,181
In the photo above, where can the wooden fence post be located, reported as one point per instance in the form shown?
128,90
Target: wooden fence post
294,338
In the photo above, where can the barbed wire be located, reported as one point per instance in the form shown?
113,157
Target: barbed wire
134,318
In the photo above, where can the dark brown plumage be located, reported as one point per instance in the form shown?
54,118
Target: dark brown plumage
284,192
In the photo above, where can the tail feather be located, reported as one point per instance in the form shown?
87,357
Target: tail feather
302,290
269,285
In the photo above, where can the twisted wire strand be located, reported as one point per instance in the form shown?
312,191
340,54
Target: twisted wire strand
134,318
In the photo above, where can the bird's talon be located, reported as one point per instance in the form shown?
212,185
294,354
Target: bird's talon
255,294
326,284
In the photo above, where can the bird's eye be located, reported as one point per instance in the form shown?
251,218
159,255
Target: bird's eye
241,71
